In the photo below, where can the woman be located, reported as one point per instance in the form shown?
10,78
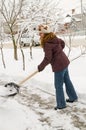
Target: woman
54,55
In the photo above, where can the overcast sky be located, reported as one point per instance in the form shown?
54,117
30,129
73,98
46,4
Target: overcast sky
67,5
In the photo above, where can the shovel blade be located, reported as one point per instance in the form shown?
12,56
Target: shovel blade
12,88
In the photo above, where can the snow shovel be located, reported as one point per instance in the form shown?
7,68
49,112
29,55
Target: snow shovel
13,88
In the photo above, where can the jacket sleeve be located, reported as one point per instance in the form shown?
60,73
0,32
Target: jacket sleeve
47,57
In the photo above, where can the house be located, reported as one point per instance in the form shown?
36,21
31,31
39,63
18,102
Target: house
73,23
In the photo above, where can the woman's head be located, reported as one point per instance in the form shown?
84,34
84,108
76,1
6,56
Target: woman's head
45,29
45,33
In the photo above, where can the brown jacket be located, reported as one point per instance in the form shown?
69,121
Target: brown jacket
54,55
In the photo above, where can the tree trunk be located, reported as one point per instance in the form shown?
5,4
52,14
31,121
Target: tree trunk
2,56
15,52
15,48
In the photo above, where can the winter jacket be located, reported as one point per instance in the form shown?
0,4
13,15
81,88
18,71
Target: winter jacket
54,55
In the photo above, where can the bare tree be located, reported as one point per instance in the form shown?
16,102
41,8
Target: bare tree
74,38
1,48
39,12
28,14
1,42
10,11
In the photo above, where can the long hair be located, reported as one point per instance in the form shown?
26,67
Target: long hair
46,38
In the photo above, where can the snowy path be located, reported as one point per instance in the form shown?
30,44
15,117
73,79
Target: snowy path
33,109
73,117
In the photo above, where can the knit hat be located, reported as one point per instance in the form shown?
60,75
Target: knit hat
44,29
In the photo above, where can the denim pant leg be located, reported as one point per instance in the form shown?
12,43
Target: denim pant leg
59,79
69,87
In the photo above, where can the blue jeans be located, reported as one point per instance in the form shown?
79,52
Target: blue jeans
60,78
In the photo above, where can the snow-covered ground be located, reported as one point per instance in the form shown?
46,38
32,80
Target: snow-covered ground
32,108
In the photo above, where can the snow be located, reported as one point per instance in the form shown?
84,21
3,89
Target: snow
32,108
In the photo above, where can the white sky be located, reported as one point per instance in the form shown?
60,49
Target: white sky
67,5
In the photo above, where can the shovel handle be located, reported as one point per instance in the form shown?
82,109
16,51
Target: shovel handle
28,77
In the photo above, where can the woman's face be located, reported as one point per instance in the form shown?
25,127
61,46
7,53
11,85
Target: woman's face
41,35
